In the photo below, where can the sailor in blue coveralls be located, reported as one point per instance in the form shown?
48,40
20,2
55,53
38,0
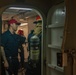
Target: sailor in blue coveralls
9,47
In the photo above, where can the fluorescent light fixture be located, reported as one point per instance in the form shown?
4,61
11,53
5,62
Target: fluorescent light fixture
20,8
23,24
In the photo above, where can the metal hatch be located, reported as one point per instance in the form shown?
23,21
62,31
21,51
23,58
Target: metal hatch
54,37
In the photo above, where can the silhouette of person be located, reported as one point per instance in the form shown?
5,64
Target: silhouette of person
38,32
9,47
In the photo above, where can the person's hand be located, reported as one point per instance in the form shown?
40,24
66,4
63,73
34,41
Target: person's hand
19,58
25,59
6,65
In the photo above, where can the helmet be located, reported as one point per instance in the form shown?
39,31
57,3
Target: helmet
38,20
20,32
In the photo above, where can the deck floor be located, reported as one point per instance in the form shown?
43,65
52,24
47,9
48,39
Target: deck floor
21,72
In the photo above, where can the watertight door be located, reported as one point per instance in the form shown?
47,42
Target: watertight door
55,28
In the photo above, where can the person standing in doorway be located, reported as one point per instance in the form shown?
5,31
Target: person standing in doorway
21,48
9,47
4,28
35,69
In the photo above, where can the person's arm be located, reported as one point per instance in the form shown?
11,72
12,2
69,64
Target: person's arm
6,65
19,58
26,53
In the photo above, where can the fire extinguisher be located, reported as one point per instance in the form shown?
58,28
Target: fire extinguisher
34,48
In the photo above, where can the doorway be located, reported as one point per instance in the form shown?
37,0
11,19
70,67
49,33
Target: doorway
27,17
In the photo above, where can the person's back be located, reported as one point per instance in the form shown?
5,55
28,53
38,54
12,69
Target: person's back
22,41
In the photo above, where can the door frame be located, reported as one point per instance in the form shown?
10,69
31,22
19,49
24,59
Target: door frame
43,28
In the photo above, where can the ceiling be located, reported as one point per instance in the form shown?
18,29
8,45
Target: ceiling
43,5
8,13
21,13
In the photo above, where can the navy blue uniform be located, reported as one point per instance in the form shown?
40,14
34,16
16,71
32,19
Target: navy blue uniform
11,43
2,67
22,41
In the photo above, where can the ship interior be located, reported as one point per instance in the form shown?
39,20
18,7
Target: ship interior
58,25
25,16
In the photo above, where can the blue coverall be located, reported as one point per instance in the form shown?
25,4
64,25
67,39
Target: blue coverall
11,43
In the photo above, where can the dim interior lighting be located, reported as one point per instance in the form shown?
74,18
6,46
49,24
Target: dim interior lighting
21,19
20,8
23,24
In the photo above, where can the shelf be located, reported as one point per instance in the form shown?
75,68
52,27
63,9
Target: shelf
54,46
56,67
55,26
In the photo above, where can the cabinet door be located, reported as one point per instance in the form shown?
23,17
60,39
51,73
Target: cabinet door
55,28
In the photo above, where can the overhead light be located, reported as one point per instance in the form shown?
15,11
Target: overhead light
23,24
20,8
27,17
21,19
